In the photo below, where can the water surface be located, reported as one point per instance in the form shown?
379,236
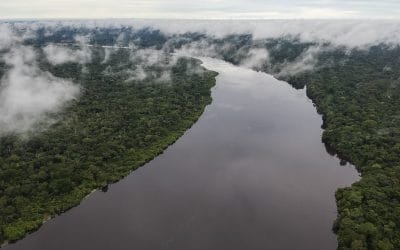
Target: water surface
252,173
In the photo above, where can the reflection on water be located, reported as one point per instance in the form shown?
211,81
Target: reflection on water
252,173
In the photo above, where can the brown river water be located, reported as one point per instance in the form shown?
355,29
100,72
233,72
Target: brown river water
252,173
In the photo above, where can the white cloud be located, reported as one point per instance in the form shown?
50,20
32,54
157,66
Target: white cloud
29,96
255,58
349,33
7,38
57,54
307,61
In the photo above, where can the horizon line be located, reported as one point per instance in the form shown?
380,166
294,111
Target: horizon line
193,19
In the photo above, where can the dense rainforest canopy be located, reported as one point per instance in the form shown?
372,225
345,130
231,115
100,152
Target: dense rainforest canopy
117,125
357,91
360,102
358,94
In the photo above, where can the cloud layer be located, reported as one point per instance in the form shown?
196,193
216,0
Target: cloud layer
57,54
29,97
349,33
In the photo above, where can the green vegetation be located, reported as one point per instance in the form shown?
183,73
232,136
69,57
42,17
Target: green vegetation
358,94
115,127
359,98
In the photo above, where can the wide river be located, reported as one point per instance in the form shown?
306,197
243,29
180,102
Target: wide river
252,173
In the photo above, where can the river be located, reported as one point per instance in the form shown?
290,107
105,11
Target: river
252,173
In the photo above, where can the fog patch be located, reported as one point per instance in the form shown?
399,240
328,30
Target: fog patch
149,57
151,64
306,62
256,58
202,48
107,54
29,97
165,77
348,33
139,74
360,34
7,37
192,68
59,54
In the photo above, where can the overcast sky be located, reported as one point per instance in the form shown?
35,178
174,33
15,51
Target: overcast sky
202,9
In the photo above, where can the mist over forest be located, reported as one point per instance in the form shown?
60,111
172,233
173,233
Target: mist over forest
85,102
283,48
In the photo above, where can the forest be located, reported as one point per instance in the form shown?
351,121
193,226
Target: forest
118,125
357,92
114,127
360,101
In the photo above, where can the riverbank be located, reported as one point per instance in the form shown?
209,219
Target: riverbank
253,163
184,100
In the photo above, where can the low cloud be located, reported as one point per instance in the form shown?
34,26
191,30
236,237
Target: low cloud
7,37
201,48
305,62
152,64
29,97
349,33
59,54
256,58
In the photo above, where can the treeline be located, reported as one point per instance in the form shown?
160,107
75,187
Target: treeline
358,94
356,91
359,97
143,38
115,127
